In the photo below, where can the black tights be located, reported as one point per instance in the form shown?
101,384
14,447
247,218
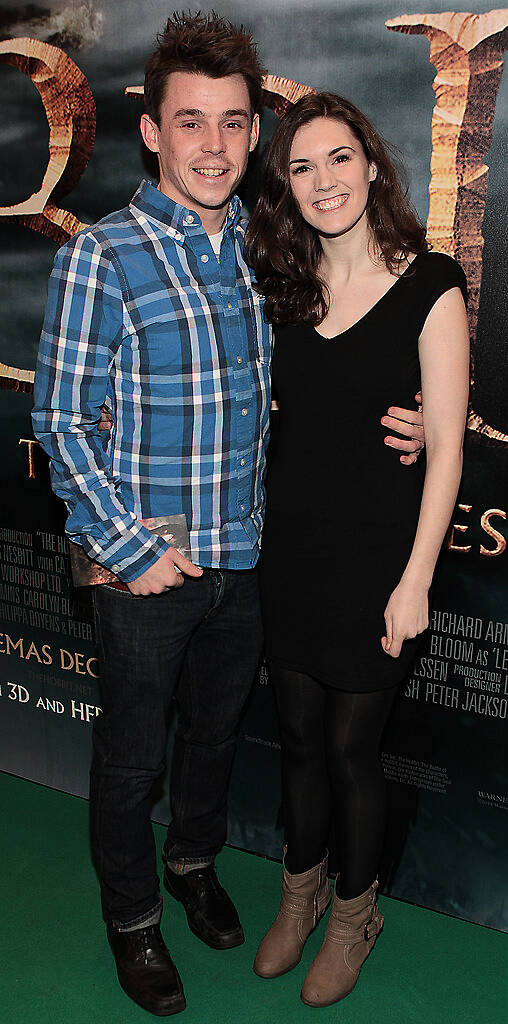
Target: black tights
331,768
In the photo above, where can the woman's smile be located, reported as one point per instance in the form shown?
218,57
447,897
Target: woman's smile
330,204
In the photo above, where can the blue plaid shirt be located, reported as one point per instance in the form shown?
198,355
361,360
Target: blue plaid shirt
143,317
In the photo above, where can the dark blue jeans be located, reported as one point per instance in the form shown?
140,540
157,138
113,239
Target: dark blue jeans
202,641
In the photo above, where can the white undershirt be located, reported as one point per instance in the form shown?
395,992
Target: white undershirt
215,242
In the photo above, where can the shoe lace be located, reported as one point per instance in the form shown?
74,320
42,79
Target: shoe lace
150,942
208,880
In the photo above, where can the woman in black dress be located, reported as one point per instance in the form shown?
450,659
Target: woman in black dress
362,311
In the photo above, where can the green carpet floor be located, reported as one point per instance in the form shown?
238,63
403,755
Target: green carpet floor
56,966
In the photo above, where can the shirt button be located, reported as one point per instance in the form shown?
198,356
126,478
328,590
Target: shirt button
204,258
189,219
229,306
242,508
115,568
244,412
239,360
242,462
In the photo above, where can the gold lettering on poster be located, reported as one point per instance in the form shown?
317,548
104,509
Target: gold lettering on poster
15,379
492,532
280,93
467,52
70,110
31,444
486,526
452,546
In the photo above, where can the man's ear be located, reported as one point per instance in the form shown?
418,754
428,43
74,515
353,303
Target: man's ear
150,133
254,133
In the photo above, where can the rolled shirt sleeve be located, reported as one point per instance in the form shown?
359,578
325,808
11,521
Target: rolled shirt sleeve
82,330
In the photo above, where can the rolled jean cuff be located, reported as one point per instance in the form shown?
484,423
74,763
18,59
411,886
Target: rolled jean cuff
145,920
182,865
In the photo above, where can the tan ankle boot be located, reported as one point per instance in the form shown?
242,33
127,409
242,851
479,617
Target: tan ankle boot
305,898
350,935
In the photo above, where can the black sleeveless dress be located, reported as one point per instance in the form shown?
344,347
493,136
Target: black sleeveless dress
341,509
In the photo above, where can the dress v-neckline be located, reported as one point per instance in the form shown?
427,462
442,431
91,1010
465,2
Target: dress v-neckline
371,308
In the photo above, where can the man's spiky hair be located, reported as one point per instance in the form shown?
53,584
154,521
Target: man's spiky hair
203,44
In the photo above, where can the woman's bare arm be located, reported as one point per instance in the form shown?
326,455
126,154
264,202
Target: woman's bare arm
444,361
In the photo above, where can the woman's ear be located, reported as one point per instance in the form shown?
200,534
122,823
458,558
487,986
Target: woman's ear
372,172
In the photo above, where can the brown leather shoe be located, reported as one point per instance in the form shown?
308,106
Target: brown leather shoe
146,971
305,898
350,935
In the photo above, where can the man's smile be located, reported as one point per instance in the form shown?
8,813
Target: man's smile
211,172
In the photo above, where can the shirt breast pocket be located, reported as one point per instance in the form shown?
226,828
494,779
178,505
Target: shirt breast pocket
158,346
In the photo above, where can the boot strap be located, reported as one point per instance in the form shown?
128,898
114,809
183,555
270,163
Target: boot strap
305,907
339,933
298,907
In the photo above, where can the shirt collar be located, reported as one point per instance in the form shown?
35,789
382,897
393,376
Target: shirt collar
175,219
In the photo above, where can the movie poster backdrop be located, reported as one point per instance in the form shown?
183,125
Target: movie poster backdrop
70,78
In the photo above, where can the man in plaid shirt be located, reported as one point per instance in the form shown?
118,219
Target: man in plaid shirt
151,312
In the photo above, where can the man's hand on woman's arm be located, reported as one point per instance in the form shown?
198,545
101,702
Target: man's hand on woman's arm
408,422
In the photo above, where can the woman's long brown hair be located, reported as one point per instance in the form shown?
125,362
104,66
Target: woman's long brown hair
285,251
